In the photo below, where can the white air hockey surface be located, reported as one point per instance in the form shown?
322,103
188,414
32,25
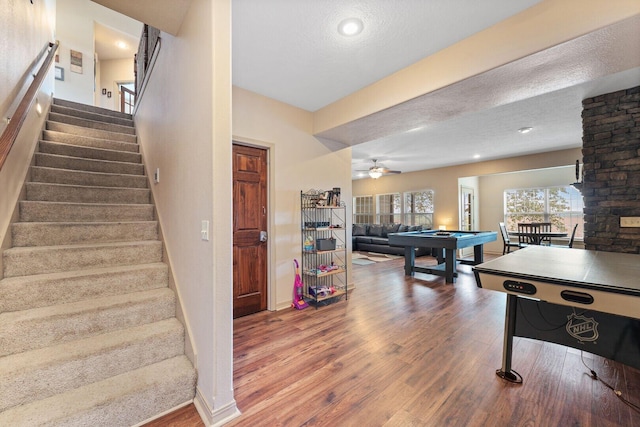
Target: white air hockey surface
603,281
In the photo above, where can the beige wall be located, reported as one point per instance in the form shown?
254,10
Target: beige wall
25,28
75,30
185,130
112,72
445,182
298,162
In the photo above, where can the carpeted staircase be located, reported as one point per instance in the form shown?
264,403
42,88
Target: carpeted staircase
88,333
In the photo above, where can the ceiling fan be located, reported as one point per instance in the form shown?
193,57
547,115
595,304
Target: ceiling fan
376,171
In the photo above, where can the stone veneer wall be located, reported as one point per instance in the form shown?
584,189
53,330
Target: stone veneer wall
611,156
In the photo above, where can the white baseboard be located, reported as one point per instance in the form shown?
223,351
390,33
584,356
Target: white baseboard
218,417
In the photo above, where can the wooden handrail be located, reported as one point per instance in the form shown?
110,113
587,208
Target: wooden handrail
13,128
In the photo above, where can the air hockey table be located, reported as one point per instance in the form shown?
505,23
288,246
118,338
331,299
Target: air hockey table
443,241
589,300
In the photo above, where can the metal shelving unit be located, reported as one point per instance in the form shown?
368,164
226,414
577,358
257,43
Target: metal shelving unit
324,248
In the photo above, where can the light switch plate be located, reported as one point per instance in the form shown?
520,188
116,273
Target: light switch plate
630,221
204,231
156,176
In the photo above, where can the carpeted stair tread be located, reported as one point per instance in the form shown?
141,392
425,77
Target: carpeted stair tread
45,326
89,115
41,373
89,165
88,327
52,259
91,108
85,141
92,133
71,233
91,124
123,400
86,194
88,152
77,177
43,290
41,211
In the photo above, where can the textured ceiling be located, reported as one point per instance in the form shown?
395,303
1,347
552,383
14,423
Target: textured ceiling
166,15
290,50
105,39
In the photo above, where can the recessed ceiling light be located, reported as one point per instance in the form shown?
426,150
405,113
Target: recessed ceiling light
121,44
350,27
525,130
476,156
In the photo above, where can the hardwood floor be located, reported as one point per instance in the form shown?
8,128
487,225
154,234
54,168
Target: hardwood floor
413,352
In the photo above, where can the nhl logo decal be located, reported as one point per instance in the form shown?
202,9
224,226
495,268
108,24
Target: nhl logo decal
582,328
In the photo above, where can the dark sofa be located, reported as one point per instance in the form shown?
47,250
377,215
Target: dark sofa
374,238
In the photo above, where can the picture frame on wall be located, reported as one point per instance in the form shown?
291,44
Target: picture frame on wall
76,61
59,73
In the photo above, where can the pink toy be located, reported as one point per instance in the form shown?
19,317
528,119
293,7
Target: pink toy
298,289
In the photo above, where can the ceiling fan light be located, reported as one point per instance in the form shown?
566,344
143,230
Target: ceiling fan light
375,174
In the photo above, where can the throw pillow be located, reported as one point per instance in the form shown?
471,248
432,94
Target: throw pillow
389,228
415,228
375,230
359,230
403,228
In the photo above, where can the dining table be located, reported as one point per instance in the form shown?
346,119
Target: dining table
537,237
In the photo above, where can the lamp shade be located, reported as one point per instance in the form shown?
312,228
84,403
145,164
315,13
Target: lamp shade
375,174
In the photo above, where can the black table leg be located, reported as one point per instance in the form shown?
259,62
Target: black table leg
478,254
506,373
409,260
450,265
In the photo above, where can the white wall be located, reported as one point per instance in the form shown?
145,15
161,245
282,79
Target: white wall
112,72
184,125
75,30
25,28
298,162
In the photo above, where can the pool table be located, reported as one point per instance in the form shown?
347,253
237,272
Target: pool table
446,243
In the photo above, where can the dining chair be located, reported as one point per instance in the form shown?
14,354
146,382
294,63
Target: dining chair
573,237
508,244
544,227
526,233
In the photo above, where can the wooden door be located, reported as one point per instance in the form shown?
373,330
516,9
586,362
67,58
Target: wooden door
249,222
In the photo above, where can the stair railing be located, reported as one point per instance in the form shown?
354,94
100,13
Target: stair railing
144,59
10,133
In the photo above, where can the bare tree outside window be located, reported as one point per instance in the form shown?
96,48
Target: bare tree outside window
419,208
561,206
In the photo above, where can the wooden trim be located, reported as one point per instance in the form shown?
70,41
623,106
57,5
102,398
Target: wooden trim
15,124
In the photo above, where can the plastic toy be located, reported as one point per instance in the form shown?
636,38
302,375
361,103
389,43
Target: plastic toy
298,289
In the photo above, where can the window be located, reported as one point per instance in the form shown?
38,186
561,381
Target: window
561,206
363,212
389,209
418,208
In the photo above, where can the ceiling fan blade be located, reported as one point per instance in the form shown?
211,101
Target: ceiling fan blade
388,171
